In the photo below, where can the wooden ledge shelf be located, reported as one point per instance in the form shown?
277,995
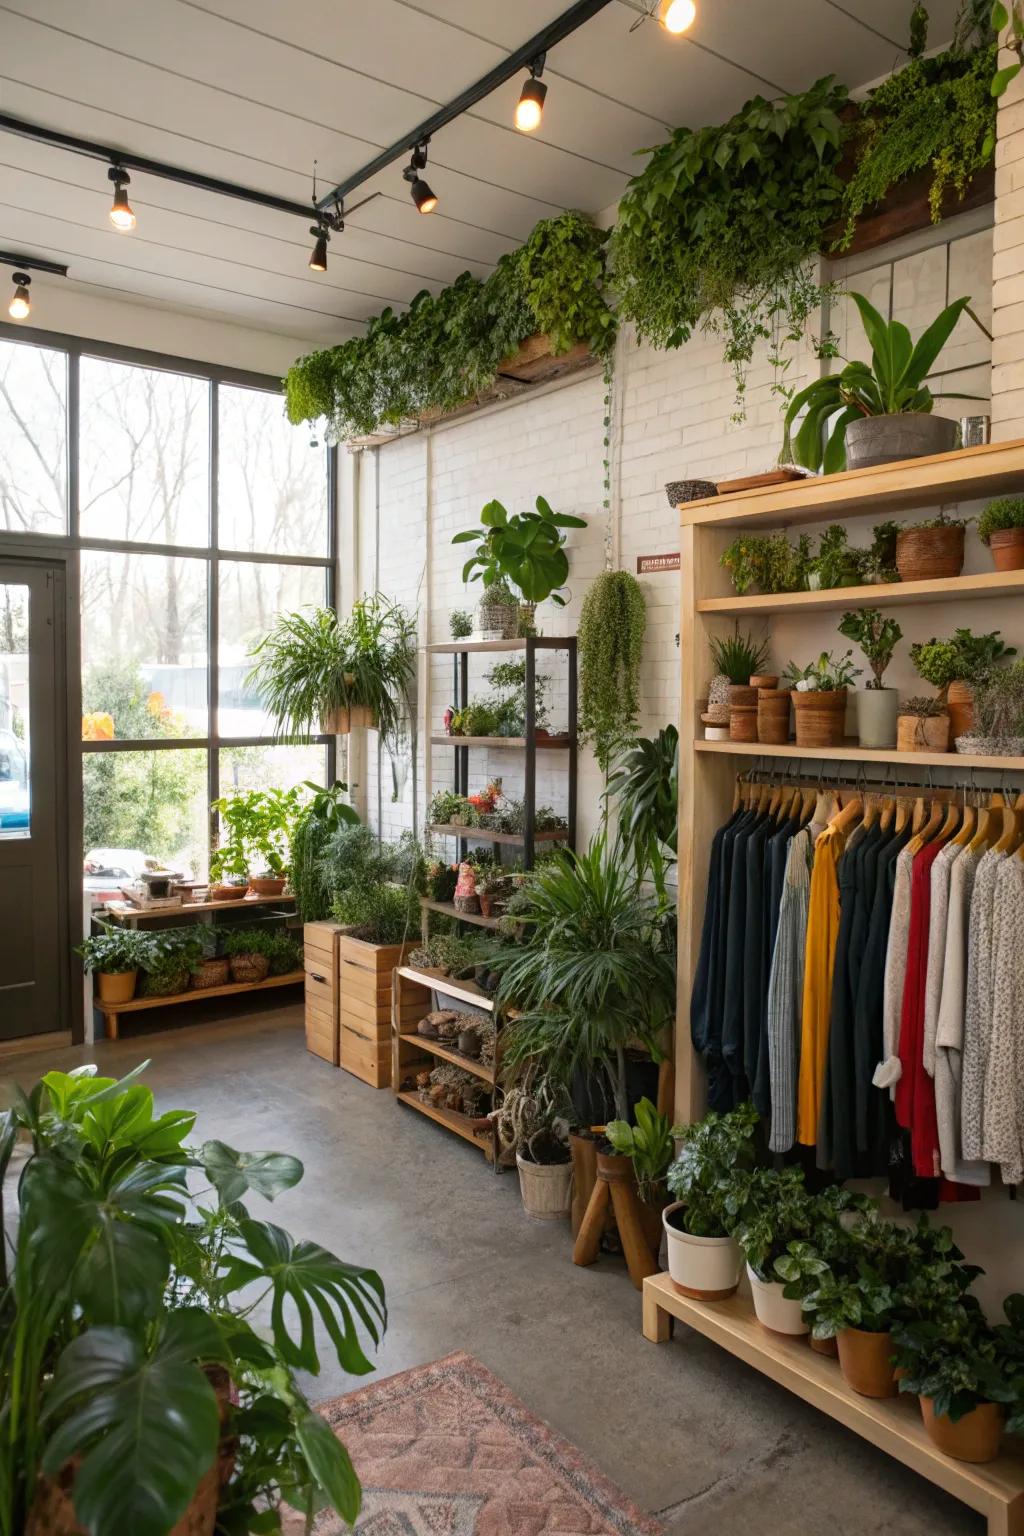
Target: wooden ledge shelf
484,835
850,752
470,647
447,909
995,1490
894,594
517,743
435,1048
463,991
112,1011
478,1132
968,474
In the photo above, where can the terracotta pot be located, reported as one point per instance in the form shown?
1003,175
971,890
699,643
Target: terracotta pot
925,554
210,973
866,1363
650,1221
764,680
975,1437
773,705
546,1189
922,733
820,717
116,986
827,1347
225,893
707,1268
743,724
267,885
340,722
250,968
742,696
960,708
1007,546
486,902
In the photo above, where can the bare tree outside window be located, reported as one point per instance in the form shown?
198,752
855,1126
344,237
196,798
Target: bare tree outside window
272,486
33,439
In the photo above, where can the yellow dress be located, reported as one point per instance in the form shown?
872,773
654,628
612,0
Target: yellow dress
819,964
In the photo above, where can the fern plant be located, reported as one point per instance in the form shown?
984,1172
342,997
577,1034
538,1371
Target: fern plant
613,621
738,657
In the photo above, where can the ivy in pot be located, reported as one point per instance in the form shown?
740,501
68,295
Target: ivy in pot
965,1376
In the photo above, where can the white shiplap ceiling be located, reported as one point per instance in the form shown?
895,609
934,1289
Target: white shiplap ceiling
254,90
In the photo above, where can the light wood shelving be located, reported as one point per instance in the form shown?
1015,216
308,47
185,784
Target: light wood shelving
995,1490
484,835
477,1132
447,909
493,743
112,1011
850,752
411,993
463,991
896,594
435,1048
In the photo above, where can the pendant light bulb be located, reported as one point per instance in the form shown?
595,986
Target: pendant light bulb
20,306
678,16
318,260
421,194
423,197
530,107
121,215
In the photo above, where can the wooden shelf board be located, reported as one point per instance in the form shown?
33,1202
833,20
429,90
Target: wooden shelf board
850,752
447,908
452,1119
965,475
892,1424
483,835
119,913
470,647
138,1004
464,991
435,1048
886,595
516,743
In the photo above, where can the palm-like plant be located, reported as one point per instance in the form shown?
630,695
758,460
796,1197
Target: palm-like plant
314,663
645,783
596,971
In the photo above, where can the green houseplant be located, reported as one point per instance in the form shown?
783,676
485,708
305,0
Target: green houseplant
317,671
645,787
703,1256
819,698
171,957
1001,527
956,666
768,562
738,657
998,728
878,637
115,955
256,829
133,1385
256,953
533,1122
612,624
524,551
315,822
776,1214
650,1143
965,1380
879,412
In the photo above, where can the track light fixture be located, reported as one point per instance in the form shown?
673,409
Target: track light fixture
530,106
326,223
677,16
121,215
422,196
20,306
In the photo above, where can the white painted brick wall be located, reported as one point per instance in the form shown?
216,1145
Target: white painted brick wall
1008,265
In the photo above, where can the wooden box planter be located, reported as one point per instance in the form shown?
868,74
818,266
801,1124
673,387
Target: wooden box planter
364,1007
320,965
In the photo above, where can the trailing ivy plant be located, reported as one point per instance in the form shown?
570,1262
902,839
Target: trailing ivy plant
613,620
720,229
563,273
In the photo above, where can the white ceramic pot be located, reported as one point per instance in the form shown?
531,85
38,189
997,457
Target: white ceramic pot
546,1189
877,709
774,1310
716,733
707,1268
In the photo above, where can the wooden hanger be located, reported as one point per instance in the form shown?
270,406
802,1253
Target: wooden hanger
985,831
848,815
776,799
928,830
737,794
871,808
888,812
807,804
920,815
1011,838
950,824
967,826
902,813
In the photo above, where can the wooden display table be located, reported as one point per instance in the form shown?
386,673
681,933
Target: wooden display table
112,1011
130,917
995,1490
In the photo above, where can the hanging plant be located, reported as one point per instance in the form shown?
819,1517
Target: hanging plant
613,620
447,347
720,230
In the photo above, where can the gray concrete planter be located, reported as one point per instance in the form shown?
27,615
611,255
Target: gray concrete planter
877,709
886,439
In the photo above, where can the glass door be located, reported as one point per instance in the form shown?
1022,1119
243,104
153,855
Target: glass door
33,926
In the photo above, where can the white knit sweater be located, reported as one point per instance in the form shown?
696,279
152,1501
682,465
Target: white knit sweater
949,1026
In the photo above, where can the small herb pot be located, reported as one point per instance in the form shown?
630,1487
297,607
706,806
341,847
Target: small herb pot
707,1268
975,1437
866,1361
922,733
960,707
877,709
266,885
773,1310
1007,546
116,986
250,968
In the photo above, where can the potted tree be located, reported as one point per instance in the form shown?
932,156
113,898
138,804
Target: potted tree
116,955
318,672
1001,527
877,637
524,552
880,412
819,698
704,1258
257,824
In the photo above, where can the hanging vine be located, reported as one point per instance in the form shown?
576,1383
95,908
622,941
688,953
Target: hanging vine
612,624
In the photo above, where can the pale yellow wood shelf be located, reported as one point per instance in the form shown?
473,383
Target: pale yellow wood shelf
470,647
477,1133
995,1490
517,743
966,475
435,1048
463,991
447,908
895,594
196,994
850,752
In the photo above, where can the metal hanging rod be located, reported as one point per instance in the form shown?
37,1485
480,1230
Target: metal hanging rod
555,32
33,264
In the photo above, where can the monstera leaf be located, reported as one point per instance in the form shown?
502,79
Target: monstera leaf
234,1173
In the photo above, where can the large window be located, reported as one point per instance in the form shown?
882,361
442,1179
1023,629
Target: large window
196,514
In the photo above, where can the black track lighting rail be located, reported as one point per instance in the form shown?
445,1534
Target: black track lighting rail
555,32
32,264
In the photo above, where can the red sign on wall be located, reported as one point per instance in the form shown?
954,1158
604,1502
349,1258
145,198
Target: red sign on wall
647,564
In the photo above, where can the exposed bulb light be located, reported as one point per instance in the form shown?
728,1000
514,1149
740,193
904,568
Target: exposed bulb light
318,260
677,16
421,194
530,106
20,306
121,215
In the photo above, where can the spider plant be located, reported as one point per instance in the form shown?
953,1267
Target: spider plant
645,783
596,971
313,663
739,657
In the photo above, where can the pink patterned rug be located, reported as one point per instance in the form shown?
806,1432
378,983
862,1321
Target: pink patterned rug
447,1450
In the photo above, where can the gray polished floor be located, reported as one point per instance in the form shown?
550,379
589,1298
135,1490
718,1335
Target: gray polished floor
688,1432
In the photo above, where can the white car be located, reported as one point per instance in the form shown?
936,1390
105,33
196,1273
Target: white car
105,870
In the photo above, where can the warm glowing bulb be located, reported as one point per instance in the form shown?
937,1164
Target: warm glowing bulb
678,15
19,307
121,215
428,204
530,106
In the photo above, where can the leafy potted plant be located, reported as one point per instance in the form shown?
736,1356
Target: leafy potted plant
931,550
171,956
449,809
775,1211
137,1394
768,562
525,551
489,887
257,824
460,623
534,1119
649,1143
955,666
836,564
877,637
645,789
880,412
703,1257
819,698
1001,527
954,1364
318,672
316,822
998,729
922,725
116,955
736,658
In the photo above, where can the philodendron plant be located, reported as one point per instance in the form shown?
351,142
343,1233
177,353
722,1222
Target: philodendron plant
122,1306
525,549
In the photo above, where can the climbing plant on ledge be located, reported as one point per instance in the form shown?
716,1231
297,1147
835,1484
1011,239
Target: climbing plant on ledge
447,347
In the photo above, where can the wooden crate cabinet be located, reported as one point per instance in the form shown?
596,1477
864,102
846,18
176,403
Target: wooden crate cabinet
364,1007
320,966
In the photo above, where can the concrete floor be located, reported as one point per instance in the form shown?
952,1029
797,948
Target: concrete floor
692,1435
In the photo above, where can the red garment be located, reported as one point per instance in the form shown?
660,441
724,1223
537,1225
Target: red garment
915,1091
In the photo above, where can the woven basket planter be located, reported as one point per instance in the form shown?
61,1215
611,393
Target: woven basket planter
546,1189
926,554
922,733
341,722
742,713
960,708
820,717
496,617
773,715
211,973
249,968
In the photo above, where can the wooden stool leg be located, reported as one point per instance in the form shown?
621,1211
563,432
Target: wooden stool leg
657,1323
110,1025
1008,1520
588,1241
638,1255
